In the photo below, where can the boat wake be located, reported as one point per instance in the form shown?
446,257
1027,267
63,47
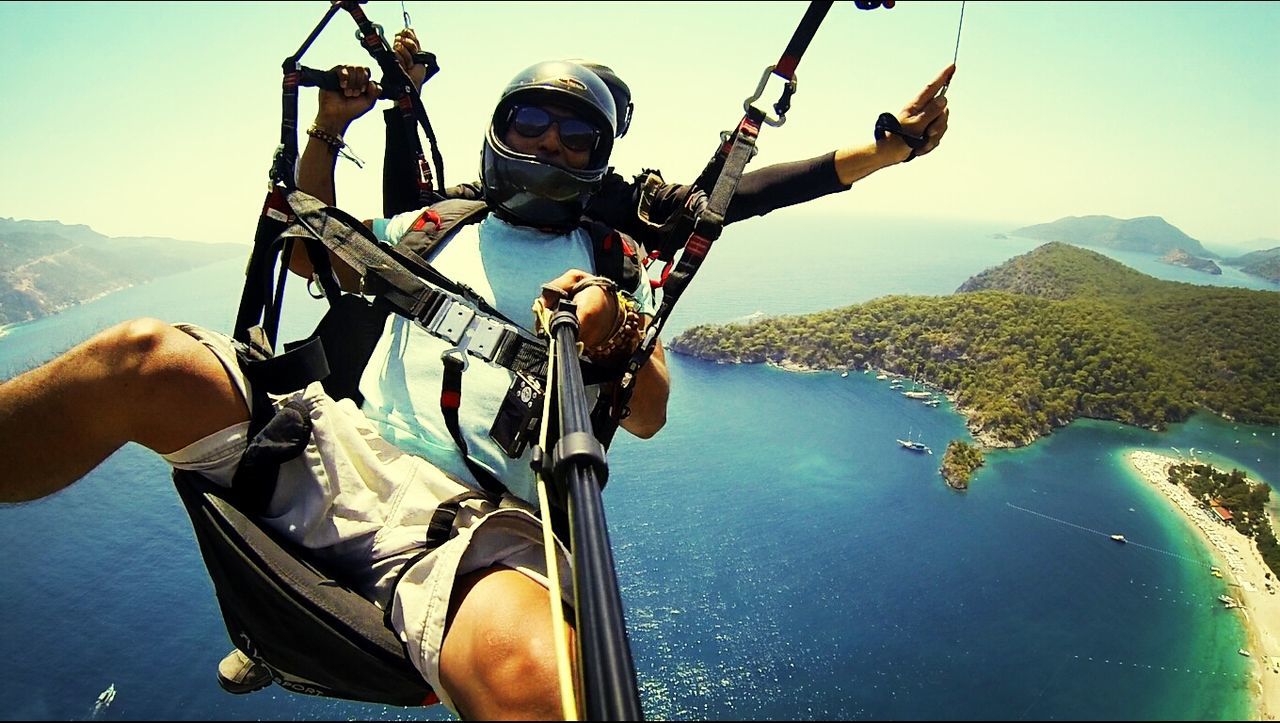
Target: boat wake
104,700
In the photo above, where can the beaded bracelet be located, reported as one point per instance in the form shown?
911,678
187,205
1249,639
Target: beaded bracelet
625,336
333,141
604,282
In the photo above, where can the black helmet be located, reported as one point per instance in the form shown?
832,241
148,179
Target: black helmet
621,93
534,191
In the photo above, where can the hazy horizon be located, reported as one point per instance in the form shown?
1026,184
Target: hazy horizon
160,119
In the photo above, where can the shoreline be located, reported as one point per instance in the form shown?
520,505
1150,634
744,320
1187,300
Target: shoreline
1244,571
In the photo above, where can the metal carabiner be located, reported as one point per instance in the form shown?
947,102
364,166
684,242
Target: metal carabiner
381,33
783,103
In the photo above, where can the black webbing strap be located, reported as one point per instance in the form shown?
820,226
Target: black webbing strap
888,124
450,401
438,532
256,296
800,39
399,281
703,223
259,305
407,101
707,225
275,437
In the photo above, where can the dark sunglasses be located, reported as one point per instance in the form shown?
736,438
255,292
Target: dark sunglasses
532,121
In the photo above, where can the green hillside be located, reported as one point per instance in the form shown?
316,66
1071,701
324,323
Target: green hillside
1056,334
46,266
1259,263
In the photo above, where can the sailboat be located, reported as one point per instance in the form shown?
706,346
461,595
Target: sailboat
913,445
916,392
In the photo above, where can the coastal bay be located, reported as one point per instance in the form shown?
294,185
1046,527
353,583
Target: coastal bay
781,556
1057,334
1250,580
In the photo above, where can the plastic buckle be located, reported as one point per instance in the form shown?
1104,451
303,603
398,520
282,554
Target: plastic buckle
787,92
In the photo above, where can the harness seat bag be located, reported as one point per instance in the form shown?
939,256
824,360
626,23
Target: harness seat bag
317,636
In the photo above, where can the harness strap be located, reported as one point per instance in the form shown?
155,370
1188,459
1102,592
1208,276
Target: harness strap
258,306
450,402
275,439
453,313
408,102
438,532
701,220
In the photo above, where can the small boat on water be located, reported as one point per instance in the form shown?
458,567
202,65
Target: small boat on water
1244,652
1228,601
917,395
1215,572
106,696
1119,538
914,446
844,374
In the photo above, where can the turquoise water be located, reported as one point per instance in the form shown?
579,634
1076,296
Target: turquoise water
780,556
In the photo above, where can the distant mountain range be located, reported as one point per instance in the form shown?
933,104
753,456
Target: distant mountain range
48,266
1152,235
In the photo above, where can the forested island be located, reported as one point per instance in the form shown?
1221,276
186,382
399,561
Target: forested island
1178,257
47,266
959,463
1053,335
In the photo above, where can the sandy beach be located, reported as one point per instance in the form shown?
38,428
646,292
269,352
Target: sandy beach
1246,576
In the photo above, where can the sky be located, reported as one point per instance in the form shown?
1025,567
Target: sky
160,119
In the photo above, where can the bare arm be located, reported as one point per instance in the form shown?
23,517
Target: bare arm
649,399
597,312
316,166
926,116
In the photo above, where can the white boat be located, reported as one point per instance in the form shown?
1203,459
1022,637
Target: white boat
1244,652
844,374
917,395
932,403
1119,538
915,446
882,376
106,696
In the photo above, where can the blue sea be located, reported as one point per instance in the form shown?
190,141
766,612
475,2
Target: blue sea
780,556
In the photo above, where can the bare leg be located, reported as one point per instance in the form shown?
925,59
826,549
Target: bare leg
141,381
498,658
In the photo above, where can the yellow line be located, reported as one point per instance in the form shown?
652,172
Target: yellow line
559,630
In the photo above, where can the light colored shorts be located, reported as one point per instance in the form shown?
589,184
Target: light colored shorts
363,505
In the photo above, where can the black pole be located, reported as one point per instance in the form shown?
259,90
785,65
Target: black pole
605,666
